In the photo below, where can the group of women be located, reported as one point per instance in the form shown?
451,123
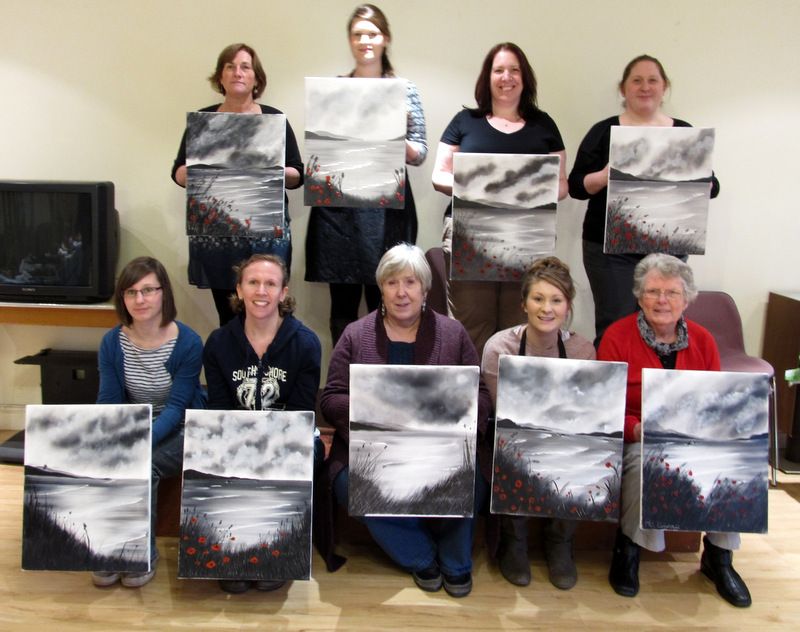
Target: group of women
151,357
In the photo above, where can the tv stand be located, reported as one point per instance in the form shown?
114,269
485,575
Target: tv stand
59,314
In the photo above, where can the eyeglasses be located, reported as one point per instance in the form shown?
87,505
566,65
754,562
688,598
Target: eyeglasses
146,292
671,295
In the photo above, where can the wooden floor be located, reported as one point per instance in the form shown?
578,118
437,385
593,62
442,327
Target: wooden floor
368,593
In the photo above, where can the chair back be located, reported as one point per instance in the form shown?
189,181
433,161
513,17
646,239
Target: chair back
717,312
437,297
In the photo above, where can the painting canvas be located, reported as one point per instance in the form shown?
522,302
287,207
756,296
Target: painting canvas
704,450
355,142
235,174
246,498
659,186
87,488
504,214
412,440
558,438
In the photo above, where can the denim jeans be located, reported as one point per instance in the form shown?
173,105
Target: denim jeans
167,462
415,544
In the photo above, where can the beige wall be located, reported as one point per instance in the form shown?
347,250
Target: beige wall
98,90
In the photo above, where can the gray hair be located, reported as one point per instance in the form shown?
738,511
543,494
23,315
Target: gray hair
667,266
403,256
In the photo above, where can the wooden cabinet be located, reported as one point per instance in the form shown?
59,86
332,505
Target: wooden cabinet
781,349
95,315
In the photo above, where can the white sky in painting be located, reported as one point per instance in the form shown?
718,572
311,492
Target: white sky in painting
569,396
266,445
415,397
705,404
236,140
517,180
91,440
365,109
671,153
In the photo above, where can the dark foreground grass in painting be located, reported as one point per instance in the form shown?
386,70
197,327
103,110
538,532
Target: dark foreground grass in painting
209,550
627,231
328,190
49,544
451,496
517,488
671,499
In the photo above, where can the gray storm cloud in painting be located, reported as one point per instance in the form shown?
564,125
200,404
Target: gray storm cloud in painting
504,213
412,439
705,450
558,437
87,487
658,189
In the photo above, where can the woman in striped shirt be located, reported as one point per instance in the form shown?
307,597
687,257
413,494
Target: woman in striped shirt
151,358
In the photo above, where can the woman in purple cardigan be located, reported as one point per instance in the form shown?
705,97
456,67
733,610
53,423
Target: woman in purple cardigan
437,552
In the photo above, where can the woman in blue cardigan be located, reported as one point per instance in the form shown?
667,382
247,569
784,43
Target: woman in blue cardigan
150,358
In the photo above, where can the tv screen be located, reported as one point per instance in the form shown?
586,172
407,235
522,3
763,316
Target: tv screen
60,241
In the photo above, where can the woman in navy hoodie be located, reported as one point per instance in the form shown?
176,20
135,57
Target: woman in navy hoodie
264,358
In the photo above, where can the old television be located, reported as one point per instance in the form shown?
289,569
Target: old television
59,241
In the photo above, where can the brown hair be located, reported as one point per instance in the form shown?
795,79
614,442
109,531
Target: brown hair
373,14
483,90
286,306
629,68
553,271
134,272
226,56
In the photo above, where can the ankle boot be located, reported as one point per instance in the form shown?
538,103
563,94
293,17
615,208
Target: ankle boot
513,556
558,553
624,573
717,564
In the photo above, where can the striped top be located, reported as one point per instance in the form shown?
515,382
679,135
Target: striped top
147,380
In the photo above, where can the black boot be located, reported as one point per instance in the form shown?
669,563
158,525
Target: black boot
561,567
717,565
624,573
513,556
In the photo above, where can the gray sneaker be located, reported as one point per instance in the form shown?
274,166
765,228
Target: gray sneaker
104,579
135,580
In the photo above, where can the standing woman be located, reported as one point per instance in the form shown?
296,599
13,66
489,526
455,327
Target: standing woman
240,78
505,121
150,358
547,294
263,359
643,85
344,245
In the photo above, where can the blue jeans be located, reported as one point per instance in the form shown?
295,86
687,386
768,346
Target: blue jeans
167,462
415,544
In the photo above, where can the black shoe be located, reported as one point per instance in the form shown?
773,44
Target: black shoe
235,586
717,564
624,573
458,585
428,579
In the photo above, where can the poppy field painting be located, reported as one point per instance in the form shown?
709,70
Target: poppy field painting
705,446
504,214
412,440
355,142
246,498
235,174
659,187
558,438
87,488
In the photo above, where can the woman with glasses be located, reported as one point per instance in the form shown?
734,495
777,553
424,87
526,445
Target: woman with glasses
150,358
659,337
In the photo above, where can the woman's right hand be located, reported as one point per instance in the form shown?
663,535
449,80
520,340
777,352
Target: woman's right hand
443,168
596,181
180,176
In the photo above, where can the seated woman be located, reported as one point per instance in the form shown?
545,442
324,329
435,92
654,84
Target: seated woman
150,358
547,295
263,359
657,337
436,551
